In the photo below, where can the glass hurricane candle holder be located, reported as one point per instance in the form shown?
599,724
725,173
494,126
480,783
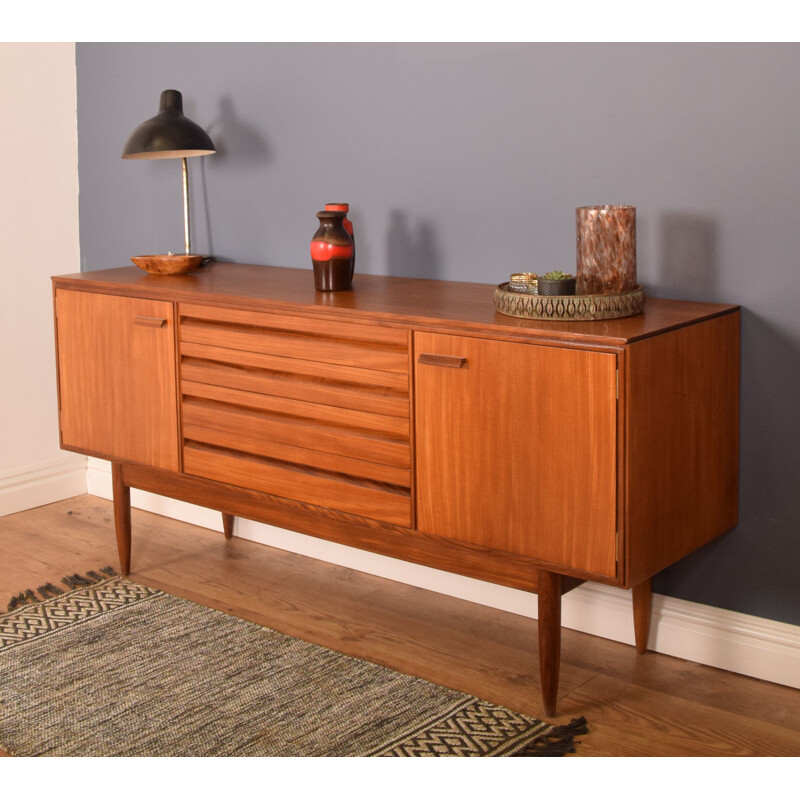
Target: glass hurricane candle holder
606,249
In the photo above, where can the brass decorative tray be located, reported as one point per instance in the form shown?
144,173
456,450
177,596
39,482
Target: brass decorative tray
579,307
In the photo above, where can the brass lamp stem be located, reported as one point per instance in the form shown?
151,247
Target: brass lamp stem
186,205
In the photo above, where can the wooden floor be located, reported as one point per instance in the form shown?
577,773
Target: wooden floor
650,705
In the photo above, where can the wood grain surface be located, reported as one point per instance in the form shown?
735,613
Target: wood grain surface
682,451
517,449
428,303
312,410
117,377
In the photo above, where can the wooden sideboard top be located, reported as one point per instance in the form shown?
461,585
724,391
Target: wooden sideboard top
431,304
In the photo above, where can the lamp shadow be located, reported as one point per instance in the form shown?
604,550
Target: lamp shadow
235,139
411,252
238,144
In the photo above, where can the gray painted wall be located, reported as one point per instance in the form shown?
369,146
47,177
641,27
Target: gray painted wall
466,162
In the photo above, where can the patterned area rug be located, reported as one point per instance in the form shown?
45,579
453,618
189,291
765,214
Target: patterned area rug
118,669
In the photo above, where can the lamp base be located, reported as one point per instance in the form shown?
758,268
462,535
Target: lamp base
168,264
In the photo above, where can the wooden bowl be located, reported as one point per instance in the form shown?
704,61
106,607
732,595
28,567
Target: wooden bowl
168,264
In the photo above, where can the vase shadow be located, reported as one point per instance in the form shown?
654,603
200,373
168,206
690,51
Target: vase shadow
689,255
412,252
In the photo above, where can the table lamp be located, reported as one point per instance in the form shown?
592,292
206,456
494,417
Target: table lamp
170,135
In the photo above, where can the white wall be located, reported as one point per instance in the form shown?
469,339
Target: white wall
38,238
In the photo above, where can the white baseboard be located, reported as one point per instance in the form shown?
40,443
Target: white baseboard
728,640
39,484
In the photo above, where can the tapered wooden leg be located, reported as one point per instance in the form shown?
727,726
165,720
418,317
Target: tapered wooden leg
642,614
122,517
227,525
549,638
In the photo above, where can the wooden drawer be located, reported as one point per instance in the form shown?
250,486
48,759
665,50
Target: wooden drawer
307,409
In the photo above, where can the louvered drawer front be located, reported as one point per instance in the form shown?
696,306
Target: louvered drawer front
306,409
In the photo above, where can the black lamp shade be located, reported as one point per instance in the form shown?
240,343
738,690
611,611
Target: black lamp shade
169,134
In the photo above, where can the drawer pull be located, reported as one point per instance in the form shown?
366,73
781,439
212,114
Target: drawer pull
151,322
437,360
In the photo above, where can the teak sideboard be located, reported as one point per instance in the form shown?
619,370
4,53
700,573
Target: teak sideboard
407,417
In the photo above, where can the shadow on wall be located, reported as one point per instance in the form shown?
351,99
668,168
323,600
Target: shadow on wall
236,140
412,253
688,244
239,145
206,211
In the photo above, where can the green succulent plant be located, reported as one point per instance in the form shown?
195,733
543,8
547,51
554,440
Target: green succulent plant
557,275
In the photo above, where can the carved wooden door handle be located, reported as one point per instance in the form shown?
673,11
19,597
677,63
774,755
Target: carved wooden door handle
152,322
436,360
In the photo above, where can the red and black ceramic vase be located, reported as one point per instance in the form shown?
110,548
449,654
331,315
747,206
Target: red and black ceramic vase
348,225
332,253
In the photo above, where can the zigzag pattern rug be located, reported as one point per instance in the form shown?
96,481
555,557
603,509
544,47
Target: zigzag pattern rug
119,669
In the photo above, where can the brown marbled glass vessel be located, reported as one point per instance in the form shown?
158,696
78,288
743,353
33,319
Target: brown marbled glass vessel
606,249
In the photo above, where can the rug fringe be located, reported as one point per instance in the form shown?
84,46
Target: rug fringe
21,599
76,581
48,590
557,741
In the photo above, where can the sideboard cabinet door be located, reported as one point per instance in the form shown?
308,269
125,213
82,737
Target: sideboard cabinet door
516,448
116,374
